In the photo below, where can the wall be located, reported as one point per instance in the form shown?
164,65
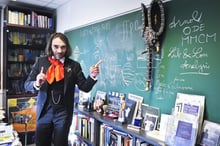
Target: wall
81,12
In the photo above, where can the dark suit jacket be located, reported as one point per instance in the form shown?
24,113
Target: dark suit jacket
72,75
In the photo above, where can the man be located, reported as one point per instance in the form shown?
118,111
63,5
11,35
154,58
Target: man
55,77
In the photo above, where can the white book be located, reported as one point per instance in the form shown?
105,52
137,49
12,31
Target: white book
119,138
92,132
163,126
83,97
197,102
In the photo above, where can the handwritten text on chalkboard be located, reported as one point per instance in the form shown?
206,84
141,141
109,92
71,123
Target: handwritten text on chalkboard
193,32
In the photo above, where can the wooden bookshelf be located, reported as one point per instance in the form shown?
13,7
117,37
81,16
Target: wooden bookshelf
26,30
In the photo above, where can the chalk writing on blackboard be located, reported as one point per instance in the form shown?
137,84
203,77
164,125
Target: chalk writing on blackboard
190,54
194,58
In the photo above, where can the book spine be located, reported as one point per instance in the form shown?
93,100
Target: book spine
101,140
92,129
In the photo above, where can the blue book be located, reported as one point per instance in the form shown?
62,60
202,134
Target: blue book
129,110
185,134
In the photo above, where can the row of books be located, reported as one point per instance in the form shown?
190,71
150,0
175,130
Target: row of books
82,131
112,137
19,38
29,19
24,55
19,70
83,126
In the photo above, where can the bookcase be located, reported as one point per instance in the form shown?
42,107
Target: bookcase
26,30
103,125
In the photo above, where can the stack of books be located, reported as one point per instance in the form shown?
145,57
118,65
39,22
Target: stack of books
185,123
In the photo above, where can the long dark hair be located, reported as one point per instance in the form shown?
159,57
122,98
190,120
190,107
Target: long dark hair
48,49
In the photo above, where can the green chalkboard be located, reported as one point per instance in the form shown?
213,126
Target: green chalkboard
187,63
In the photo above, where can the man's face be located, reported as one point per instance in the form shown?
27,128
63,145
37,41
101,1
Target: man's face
58,48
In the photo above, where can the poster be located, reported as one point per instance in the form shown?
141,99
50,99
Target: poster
22,113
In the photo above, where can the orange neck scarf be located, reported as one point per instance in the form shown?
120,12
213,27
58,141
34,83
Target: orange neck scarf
55,71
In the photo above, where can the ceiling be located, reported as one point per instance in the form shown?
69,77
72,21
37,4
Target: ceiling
44,3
